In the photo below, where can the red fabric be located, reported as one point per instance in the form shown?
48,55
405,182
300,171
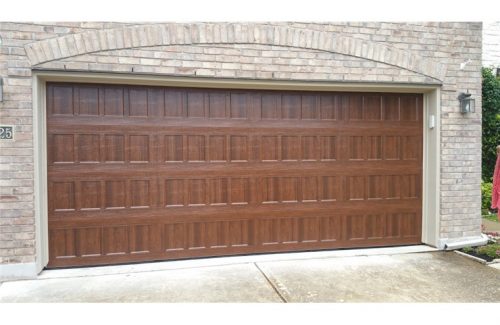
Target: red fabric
495,195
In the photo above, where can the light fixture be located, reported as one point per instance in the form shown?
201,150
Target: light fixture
467,104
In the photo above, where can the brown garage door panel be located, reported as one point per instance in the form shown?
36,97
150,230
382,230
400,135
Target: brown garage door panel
219,237
148,173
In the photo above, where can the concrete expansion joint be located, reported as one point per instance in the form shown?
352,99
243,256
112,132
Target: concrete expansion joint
273,283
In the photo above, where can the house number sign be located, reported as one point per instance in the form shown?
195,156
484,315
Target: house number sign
6,132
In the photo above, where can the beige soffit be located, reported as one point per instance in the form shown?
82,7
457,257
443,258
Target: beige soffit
161,34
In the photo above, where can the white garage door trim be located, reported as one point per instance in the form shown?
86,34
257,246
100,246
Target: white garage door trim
431,155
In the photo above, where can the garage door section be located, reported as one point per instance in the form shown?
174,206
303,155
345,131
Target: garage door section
154,173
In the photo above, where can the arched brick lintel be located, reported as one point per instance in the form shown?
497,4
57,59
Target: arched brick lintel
228,33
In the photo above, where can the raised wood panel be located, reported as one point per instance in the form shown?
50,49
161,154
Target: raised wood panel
330,106
410,109
114,101
218,148
139,173
115,240
356,148
175,103
197,235
62,196
391,108
356,188
241,106
239,148
309,229
269,231
374,147
290,107
269,148
156,102
89,241
88,148
63,149
62,243
60,100
174,192
219,191
196,104
309,148
355,107
240,233
310,107
139,148
372,107
331,228
174,237
270,107
196,148
91,195
240,191
376,188
114,148
328,148
138,102
217,105
115,194
140,239
392,148
375,226
356,227
309,188
174,148
197,192
88,100
290,148
140,194
329,187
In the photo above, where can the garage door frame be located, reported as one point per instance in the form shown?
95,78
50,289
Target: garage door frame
431,136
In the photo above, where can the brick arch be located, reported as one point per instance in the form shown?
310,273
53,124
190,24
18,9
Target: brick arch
228,33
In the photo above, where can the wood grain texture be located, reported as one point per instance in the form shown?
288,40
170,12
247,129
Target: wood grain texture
154,173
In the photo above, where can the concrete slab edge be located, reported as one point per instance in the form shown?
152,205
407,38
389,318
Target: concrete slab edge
221,261
477,259
18,271
480,260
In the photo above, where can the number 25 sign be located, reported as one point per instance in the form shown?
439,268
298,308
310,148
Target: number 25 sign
6,133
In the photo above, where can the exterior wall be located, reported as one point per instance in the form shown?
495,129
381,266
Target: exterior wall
262,57
491,44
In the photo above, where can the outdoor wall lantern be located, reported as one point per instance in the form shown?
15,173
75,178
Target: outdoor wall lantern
467,104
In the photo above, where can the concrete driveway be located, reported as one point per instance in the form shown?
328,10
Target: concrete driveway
381,275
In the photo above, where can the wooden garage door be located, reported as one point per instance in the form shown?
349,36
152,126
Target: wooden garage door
153,173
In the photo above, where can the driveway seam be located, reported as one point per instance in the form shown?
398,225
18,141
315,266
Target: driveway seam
271,284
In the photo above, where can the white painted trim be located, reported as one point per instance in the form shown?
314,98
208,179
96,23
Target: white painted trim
431,148
206,82
431,169
40,163
18,271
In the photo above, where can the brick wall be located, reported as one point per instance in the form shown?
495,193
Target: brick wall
427,53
